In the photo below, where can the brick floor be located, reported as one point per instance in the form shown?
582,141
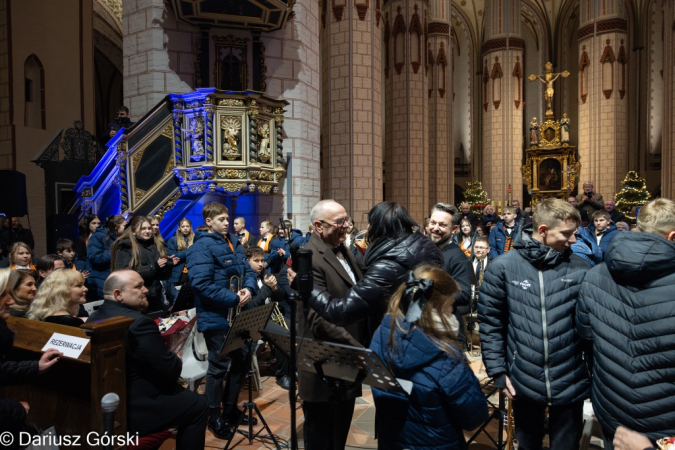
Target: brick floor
273,403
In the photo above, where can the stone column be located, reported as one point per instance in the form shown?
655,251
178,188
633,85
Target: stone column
351,125
292,68
406,106
502,102
603,95
668,146
6,132
159,55
439,74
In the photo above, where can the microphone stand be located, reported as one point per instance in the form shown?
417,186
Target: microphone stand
304,281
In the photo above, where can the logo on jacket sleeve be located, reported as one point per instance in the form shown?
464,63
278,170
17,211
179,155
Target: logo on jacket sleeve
525,285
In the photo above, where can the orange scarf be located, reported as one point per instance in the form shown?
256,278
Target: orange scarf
467,251
32,267
265,245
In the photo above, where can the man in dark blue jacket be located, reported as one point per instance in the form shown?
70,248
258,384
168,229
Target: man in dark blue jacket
626,309
526,313
221,280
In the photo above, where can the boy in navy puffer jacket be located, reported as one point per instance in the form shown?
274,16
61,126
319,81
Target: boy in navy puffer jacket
216,262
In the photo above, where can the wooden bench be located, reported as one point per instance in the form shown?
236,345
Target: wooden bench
68,396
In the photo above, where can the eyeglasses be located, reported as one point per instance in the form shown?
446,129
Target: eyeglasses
339,223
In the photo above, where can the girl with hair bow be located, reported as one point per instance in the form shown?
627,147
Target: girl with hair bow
417,341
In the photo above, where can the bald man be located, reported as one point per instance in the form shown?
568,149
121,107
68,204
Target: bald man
155,400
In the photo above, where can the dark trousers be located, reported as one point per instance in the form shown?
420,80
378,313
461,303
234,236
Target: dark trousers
320,431
283,364
565,425
218,367
192,425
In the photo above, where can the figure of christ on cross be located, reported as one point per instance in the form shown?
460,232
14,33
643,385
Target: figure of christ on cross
548,78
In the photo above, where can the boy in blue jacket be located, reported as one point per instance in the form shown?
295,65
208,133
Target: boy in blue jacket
221,280
603,229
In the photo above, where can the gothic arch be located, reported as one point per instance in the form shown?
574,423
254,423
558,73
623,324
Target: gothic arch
535,32
34,93
465,120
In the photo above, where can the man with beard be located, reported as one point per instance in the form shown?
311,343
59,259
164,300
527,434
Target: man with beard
443,220
155,399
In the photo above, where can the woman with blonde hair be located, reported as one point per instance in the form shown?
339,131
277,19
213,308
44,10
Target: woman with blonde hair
139,249
417,340
59,298
154,223
13,372
178,245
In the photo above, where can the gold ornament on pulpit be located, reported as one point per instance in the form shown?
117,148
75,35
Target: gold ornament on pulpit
548,78
231,125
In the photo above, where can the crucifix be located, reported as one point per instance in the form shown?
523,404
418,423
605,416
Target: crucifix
548,78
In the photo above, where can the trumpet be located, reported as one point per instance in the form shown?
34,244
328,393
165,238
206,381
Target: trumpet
235,283
277,317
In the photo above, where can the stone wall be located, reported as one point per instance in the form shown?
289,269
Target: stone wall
292,59
159,55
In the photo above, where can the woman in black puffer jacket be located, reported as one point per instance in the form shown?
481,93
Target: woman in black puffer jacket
140,250
395,248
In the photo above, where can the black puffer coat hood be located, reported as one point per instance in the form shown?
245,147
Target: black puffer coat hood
627,310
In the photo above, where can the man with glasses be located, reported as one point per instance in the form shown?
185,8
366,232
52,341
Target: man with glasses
336,271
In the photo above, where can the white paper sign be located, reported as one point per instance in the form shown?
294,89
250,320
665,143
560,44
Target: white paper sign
70,346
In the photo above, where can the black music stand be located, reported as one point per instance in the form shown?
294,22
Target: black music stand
185,299
498,413
341,367
244,330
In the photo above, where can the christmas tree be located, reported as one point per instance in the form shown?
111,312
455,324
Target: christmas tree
476,196
633,193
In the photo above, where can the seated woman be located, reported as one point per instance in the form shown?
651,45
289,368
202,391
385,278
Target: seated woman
139,249
417,342
22,289
14,372
59,298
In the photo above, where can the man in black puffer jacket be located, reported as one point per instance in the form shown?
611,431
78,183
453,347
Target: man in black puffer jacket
526,313
627,309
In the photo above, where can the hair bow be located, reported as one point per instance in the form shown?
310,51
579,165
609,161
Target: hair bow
416,294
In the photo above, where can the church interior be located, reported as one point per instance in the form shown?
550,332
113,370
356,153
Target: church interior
360,101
